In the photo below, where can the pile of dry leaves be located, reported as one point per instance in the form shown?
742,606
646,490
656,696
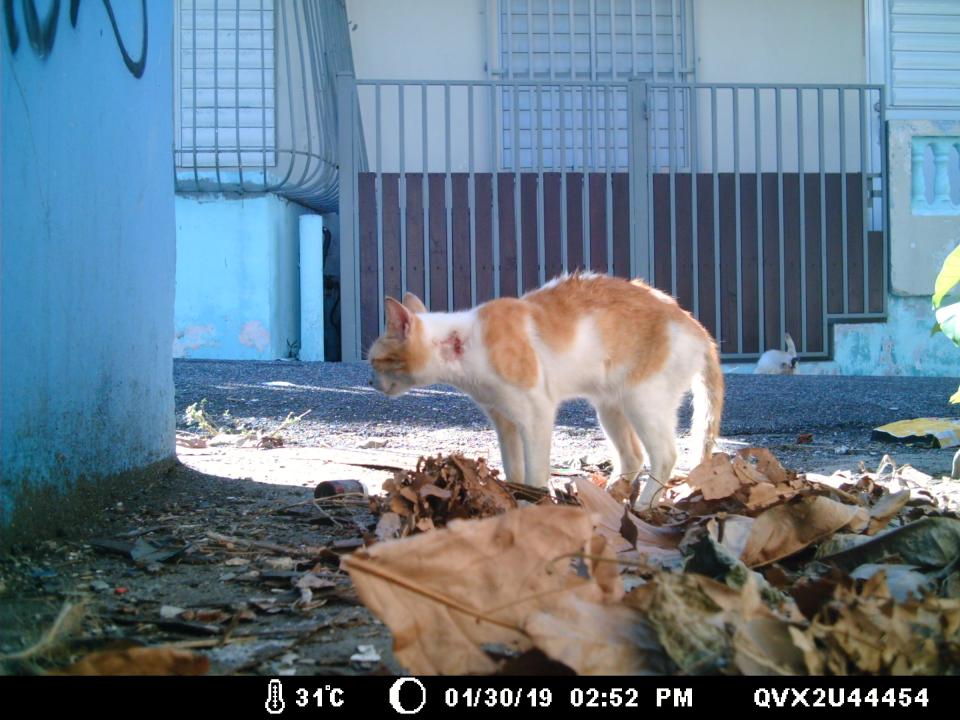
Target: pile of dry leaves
439,490
745,568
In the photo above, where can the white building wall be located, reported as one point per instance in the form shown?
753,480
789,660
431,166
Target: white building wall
742,41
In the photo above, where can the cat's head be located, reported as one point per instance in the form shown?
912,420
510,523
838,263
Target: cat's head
399,356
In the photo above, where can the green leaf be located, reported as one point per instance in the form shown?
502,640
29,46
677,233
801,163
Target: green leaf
955,398
949,319
935,329
948,277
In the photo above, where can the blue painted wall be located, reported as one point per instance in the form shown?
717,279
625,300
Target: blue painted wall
238,278
87,250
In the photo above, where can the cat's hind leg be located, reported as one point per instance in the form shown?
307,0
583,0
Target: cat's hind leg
628,458
653,414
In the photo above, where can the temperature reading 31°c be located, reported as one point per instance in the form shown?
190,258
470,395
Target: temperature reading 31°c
326,696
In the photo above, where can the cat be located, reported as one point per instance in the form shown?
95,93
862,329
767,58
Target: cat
778,362
626,347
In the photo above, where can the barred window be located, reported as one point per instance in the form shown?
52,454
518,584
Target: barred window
589,41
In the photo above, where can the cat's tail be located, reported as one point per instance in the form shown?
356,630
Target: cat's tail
707,390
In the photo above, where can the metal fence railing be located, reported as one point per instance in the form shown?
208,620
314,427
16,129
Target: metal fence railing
255,97
760,207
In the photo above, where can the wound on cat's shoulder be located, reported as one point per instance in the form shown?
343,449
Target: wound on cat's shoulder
451,348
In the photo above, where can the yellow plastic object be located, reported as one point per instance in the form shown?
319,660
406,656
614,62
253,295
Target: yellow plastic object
933,432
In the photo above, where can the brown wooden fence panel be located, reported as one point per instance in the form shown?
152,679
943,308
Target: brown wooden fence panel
802,281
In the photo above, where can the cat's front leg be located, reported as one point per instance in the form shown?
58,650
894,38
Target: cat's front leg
511,445
537,433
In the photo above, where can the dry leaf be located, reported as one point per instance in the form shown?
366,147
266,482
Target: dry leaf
763,461
656,543
716,479
599,639
706,626
932,542
388,526
445,593
866,631
140,661
786,529
886,509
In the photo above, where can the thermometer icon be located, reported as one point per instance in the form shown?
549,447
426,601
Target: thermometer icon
274,702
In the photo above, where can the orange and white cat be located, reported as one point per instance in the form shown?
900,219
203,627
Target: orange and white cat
626,347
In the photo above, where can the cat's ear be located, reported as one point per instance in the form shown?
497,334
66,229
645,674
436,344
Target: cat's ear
398,318
412,303
791,348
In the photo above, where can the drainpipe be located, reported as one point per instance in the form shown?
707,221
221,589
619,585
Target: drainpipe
311,288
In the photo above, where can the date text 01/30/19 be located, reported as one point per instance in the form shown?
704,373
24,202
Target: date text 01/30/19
498,697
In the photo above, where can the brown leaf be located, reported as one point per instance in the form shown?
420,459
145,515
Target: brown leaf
388,526
886,509
758,465
599,639
787,529
715,478
762,495
706,626
865,631
440,614
140,661
658,544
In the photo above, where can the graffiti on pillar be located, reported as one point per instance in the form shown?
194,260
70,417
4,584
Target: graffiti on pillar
42,32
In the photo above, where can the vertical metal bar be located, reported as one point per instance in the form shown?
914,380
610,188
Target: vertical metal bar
803,222
495,188
759,161
694,124
216,94
379,186
885,190
401,91
530,72
550,64
593,40
448,194
778,92
564,250
541,249
672,149
648,166
287,49
638,177
653,38
425,196
349,260
673,35
236,96
633,39
472,199
263,96
864,199
509,53
821,141
585,194
843,196
518,239
716,212
573,73
735,94
196,174
608,122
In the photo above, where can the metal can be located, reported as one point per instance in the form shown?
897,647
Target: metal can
328,488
